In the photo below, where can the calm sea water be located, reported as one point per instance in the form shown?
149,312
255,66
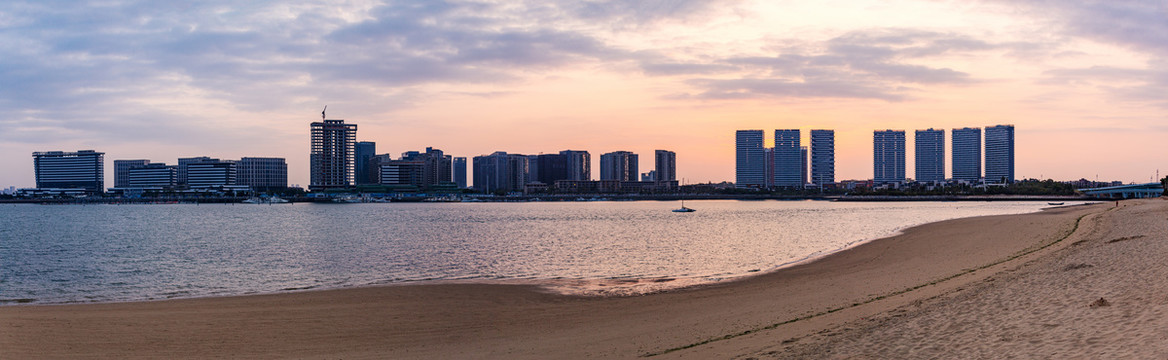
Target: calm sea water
100,253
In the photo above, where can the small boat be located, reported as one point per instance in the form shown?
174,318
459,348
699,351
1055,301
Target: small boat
683,209
1054,203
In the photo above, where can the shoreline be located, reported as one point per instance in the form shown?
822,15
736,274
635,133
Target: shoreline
471,198
520,321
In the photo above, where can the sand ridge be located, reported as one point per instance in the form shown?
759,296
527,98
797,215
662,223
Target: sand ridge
514,321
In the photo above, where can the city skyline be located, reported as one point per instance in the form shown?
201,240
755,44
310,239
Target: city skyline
144,81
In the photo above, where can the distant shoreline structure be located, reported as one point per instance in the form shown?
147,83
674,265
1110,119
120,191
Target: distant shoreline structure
568,197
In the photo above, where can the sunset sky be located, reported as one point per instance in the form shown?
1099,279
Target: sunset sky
1084,83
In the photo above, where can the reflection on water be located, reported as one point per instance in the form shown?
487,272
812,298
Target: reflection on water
68,253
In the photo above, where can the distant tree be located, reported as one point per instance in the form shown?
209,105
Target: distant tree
1164,182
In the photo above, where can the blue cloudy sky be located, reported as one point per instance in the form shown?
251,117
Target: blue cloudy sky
1084,82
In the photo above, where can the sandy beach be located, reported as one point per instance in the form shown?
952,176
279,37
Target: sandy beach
997,286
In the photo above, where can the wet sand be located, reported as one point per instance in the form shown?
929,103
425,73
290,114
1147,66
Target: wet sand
784,313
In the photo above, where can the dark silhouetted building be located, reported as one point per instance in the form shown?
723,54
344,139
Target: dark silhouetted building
787,161
750,159
888,153
999,154
364,173
459,171
967,154
122,171
262,173
70,170
822,157
930,155
579,164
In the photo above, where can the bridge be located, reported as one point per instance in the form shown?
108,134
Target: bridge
1133,191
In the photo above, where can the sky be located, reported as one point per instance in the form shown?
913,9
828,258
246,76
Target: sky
1083,82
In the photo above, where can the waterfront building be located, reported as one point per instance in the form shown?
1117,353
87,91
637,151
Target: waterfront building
999,154
822,157
83,169
459,171
181,174
211,173
532,174
787,161
649,176
769,174
262,173
805,163
619,165
331,162
122,171
364,173
403,173
930,155
550,168
579,164
888,153
750,159
157,175
665,167
966,144
500,172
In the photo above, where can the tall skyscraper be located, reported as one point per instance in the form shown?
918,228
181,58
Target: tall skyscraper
805,164
787,161
459,172
364,173
967,154
930,155
122,171
750,159
619,165
331,162
665,165
579,164
888,153
262,173
769,173
83,169
999,154
822,157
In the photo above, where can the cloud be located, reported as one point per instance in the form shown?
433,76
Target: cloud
868,64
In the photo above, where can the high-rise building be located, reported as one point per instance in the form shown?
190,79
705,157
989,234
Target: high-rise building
550,168
262,173
619,165
930,155
331,162
579,164
213,172
436,167
966,154
665,168
805,163
649,176
83,169
500,172
151,175
459,171
999,154
750,159
787,161
769,174
363,172
122,171
888,153
822,157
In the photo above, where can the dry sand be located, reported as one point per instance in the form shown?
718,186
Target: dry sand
863,301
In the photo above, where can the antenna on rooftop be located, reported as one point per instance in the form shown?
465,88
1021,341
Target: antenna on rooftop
322,112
